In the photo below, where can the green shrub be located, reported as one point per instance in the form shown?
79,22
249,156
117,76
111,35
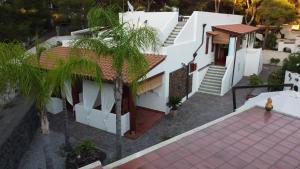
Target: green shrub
276,77
174,102
39,50
274,61
254,80
271,41
292,63
85,147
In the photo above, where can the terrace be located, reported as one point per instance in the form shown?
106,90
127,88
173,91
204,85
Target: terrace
250,139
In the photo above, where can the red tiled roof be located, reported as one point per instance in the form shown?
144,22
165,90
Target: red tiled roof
252,139
237,28
50,57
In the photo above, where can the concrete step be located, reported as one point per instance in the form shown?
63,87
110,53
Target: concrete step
181,23
217,67
210,83
169,41
209,87
214,74
211,80
172,36
208,91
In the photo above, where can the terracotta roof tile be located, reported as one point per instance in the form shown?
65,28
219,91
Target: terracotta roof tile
237,28
49,59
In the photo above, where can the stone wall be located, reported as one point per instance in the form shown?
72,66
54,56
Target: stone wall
18,125
177,84
268,54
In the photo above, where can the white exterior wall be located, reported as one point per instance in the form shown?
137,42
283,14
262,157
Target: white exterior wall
163,22
100,119
254,62
181,53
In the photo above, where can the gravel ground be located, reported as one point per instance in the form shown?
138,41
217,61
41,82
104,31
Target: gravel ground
198,110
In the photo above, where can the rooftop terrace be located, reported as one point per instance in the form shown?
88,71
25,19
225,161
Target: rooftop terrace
253,139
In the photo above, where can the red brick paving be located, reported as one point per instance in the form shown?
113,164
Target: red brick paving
254,139
146,119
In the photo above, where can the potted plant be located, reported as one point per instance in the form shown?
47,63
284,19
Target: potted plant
174,103
84,154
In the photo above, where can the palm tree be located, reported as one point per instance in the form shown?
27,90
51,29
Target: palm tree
21,72
123,43
67,70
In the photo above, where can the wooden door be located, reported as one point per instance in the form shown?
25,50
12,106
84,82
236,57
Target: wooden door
220,55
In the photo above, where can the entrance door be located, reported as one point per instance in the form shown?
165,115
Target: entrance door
220,54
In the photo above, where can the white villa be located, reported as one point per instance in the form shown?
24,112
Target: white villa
205,52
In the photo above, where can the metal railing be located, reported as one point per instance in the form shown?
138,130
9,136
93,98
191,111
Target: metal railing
251,87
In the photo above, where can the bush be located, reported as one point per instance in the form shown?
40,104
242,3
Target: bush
254,80
174,102
84,154
274,61
276,78
271,41
292,63
86,147
39,50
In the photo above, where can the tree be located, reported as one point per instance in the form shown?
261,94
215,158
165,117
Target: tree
66,70
123,43
275,13
292,63
21,20
20,71
73,12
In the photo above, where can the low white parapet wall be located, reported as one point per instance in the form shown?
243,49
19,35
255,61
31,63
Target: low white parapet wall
102,120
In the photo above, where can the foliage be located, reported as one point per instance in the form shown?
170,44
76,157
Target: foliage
124,44
292,63
276,77
20,20
87,147
174,102
276,12
274,61
254,80
39,50
20,71
271,41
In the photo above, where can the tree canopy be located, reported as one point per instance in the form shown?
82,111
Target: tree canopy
276,12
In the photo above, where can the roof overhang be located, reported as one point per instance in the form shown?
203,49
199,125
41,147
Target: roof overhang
235,29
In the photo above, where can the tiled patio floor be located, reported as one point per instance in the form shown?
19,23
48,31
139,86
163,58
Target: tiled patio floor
254,139
145,120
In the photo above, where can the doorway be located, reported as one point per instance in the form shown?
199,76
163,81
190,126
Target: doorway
220,54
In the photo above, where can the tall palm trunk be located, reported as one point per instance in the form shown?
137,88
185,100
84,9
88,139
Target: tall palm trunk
66,125
118,97
44,122
265,37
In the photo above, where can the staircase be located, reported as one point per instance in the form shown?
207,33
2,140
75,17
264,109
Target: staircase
212,81
174,33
